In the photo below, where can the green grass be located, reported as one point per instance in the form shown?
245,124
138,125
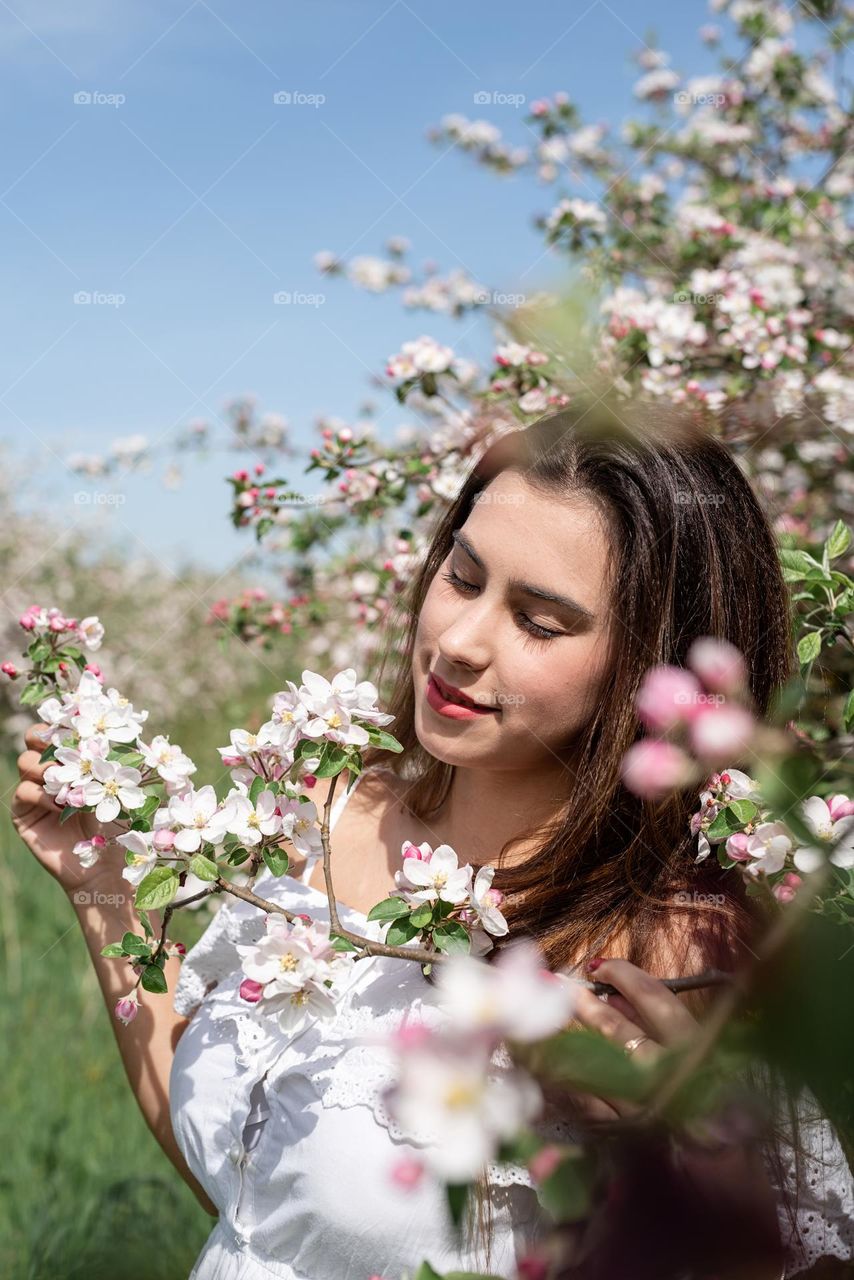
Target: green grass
85,1190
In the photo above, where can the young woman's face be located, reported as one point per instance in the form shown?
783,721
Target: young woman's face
485,634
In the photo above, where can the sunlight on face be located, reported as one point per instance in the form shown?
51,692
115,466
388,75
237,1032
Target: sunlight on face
486,636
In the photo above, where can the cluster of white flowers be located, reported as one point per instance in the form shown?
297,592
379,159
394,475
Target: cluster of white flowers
445,1082
88,725
291,973
434,875
766,848
423,355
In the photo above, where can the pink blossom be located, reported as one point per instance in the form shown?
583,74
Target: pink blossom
736,847
653,768
163,839
127,1007
407,1172
719,664
251,991
668,696
722,732
544,1162
9,669
840,806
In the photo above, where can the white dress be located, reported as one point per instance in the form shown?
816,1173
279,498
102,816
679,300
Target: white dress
289,1137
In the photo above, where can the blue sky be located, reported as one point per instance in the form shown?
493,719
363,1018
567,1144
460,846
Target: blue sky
197,198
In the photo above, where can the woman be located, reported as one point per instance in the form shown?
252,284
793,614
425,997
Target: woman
579,552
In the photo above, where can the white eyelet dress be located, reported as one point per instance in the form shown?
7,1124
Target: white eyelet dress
289,1137
287,1134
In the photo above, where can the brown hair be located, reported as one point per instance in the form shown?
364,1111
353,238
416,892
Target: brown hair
693,555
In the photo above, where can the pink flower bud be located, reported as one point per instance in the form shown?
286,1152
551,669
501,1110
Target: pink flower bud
407,1172
544,1162
242,476
251,991
163,839
668,696
9,669
309,781
736,847
179,949
722,732
57,623
840,807
719,665
95,669
411,1035
27,621
300,915
653,768
259,468
127,1007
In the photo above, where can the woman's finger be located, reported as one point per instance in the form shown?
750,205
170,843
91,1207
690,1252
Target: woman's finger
30,766
594,1013
36,737
660,1009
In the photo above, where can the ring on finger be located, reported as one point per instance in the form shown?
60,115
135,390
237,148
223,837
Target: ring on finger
634,1043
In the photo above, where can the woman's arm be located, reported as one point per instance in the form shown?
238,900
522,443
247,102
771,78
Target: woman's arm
147,1044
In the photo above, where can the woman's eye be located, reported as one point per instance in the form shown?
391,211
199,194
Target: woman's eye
527,624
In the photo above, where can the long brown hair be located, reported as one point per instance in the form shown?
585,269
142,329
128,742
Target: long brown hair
693,554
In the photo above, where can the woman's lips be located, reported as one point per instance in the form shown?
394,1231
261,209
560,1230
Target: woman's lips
453,710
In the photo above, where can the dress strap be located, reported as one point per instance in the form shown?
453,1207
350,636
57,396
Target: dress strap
338,805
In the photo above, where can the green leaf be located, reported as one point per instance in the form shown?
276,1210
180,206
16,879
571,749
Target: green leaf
146,924
203,867
796,564
389,909
457,1194
839,540
113,949
68,812
277,860
588,1063
341,944
333,758
565,1193
258,785
731,819
157,889
452,939
848,713
154,979
809,647
238,855
422,916
399,932
152,803
385,741
134,945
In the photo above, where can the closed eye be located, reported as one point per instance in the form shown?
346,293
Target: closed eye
527,624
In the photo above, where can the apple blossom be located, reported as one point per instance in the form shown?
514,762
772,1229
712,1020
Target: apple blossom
111,788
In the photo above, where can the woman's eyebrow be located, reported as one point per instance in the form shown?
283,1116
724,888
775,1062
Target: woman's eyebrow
525,587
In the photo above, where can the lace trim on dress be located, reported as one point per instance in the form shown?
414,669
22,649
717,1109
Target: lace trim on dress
350,1070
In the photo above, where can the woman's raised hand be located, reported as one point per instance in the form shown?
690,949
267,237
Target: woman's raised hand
35,816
